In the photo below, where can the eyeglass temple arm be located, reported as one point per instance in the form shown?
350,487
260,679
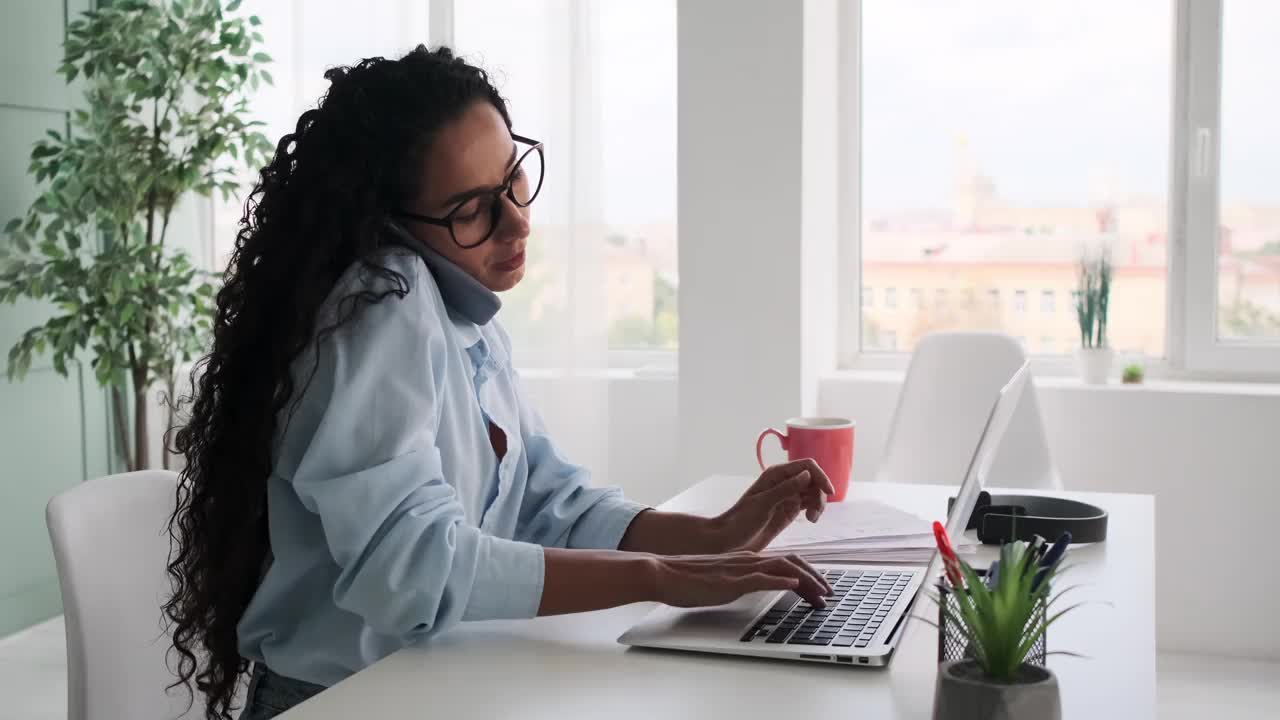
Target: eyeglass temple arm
425,219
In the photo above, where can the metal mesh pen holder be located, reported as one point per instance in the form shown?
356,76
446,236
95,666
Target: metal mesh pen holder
952,644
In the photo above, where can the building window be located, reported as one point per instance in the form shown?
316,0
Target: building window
891,298
868,297
1047,304
1020,301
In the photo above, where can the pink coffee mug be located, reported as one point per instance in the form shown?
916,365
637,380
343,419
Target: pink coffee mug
829,441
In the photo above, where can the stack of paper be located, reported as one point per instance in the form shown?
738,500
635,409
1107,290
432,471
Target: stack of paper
857,531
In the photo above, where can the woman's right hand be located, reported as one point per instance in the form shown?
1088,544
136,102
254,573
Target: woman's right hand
705,580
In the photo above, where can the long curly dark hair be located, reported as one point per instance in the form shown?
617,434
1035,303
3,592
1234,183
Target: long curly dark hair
318,209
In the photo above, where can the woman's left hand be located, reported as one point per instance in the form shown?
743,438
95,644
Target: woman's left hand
772,503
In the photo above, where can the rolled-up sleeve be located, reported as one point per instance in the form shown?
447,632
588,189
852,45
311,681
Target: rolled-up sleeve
560,507
409,562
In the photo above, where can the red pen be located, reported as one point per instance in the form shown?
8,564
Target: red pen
950,563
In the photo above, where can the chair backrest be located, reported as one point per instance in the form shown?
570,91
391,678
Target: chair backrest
951,384
111,546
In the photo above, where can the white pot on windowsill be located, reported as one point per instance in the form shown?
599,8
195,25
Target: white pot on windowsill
1095,364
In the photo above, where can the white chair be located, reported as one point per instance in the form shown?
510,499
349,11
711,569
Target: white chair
111,546
951,384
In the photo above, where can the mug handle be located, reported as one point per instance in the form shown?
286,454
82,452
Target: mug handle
782,439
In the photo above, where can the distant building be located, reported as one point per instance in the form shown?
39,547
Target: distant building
1014,269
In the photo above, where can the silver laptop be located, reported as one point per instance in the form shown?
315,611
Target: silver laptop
863,620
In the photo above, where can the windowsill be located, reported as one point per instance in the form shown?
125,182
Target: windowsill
543,373
1064,382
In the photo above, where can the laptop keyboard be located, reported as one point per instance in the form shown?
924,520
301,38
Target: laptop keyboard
858,605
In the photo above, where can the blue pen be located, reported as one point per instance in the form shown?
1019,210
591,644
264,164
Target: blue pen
1051,558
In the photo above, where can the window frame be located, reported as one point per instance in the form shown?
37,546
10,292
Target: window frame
1192,348
1197,131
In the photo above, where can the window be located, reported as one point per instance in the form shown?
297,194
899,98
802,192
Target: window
1144,128
605,107
998,139
1047,301
637,66
1249,226
1232,205
891,298
303,41
868,297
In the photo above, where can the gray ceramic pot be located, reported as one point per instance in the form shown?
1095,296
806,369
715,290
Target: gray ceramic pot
964,693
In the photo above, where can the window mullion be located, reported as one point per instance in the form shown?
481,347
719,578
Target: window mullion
440,23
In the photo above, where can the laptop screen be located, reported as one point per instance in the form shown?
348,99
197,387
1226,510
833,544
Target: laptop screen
984,454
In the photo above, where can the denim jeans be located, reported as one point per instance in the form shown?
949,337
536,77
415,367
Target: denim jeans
271,694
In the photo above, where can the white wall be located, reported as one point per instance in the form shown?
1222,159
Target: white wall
739,206
758,134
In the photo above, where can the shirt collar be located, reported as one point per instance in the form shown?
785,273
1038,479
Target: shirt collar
462,293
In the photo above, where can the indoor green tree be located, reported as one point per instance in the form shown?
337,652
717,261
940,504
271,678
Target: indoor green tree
165,113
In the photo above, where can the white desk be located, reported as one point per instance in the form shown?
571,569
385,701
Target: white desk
571,666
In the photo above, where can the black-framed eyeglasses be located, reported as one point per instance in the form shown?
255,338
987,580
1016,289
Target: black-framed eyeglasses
473,220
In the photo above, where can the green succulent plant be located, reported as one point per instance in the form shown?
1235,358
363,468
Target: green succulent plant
1093,299
1001,624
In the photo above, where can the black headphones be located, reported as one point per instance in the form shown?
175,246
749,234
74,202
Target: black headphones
1004,518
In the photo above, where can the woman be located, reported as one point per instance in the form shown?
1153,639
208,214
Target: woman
364,470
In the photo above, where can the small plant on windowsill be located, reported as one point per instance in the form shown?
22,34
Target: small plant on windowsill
1001,625
1133,375
1093,298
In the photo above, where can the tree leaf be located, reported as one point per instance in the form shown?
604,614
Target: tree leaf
233,6
261,57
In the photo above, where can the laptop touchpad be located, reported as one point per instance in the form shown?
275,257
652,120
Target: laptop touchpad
717,620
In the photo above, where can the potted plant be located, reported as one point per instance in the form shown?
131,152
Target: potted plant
1094,356
1001,624
1132,375
164,114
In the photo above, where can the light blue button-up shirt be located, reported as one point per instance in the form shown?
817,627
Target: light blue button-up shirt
390,515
